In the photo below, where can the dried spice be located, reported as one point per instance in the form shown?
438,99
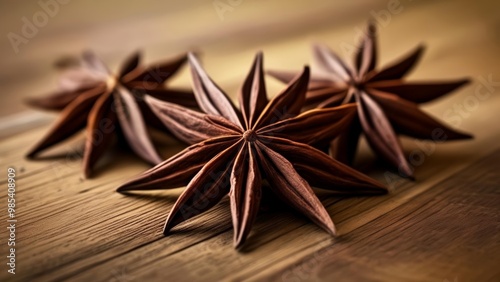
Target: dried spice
110,107
387,104
239,148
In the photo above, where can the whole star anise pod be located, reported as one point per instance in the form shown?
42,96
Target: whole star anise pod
91,96
387,104
240,148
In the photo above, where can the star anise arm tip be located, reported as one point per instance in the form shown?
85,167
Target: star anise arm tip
122,189
468,136
460,135
306,71
328,225
87,172
374,187
57,100
135,183
36,150
139,183
150,100
129,186
333,230
31,155
88,162
165,229
421,47
464,81
33,102
192,57
372,26
196,52
419,51
168,224
237,245
238,242
406,171
317,45
137,52
182,58
379,188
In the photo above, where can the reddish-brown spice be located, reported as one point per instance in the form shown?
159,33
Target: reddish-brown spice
387,104
239,148
109,106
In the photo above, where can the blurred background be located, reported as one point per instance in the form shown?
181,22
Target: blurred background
462,38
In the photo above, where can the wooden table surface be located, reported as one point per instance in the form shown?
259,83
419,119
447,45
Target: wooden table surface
445,226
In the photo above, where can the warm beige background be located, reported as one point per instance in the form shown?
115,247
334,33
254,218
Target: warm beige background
283,29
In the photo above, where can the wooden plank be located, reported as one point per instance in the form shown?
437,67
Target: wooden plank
87,252
210,258
449,233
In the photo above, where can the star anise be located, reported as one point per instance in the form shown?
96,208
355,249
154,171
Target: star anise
387,104
240,148
108,106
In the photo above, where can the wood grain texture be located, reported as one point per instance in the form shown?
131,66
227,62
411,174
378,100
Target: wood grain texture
443,227
447,233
